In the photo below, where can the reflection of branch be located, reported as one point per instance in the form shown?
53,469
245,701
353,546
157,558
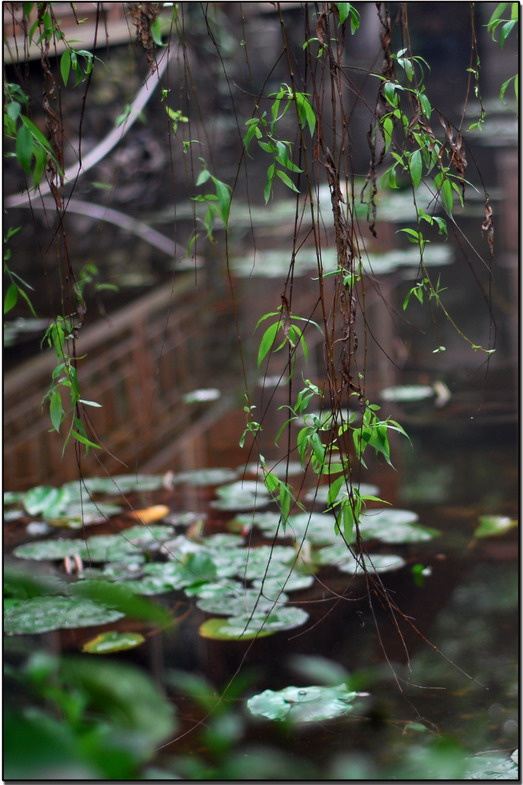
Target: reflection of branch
107,144
126,222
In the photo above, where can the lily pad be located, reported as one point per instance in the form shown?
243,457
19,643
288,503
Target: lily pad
394,526
408,392
241,495
264,561
319,495
41,614
247,626
494,525
75,514
45,500
239,603
119,484
493,767
339,556
315,526
12,497
280,469
272,587
194,568
102,547
205,476
111,641
205,394
303,704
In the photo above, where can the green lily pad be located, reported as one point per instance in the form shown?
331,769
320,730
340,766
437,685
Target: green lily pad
280,469
12,497
213,589
120,483
493,767
315,526
193,568
185,518
223,540
273,586
111,641
205,394
339,556
241,495
394,526
247,626
238,603
75,514
408,392
494,525
205,476
102,547
319,495
264,561
13,515
41,614
303,704
46,500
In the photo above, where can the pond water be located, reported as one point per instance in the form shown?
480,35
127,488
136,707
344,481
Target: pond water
427,635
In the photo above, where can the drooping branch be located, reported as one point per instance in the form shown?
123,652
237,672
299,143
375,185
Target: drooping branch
106,145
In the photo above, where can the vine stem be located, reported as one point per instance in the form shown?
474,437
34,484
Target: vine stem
106,145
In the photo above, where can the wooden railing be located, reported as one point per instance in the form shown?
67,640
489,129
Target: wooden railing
139,364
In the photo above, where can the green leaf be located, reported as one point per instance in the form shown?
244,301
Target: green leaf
303,704
45,500
305,112
268,184
65,66
494,525
84,440
10,297
56,411
41,614
447,195
111,641
388,127
267,341
416,167
506,30
24,148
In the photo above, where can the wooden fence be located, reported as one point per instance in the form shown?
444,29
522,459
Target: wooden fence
139,364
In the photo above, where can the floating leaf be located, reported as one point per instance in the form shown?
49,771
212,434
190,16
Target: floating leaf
119,484
220,630
247,626
41,614
239,602
493,767
241,495
206,394
273,586
394,526
150,514
303,704
102,547
408,392
319,494
45,500
342,558
109,642
280,469
206,476
494,525
12,497
121,597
